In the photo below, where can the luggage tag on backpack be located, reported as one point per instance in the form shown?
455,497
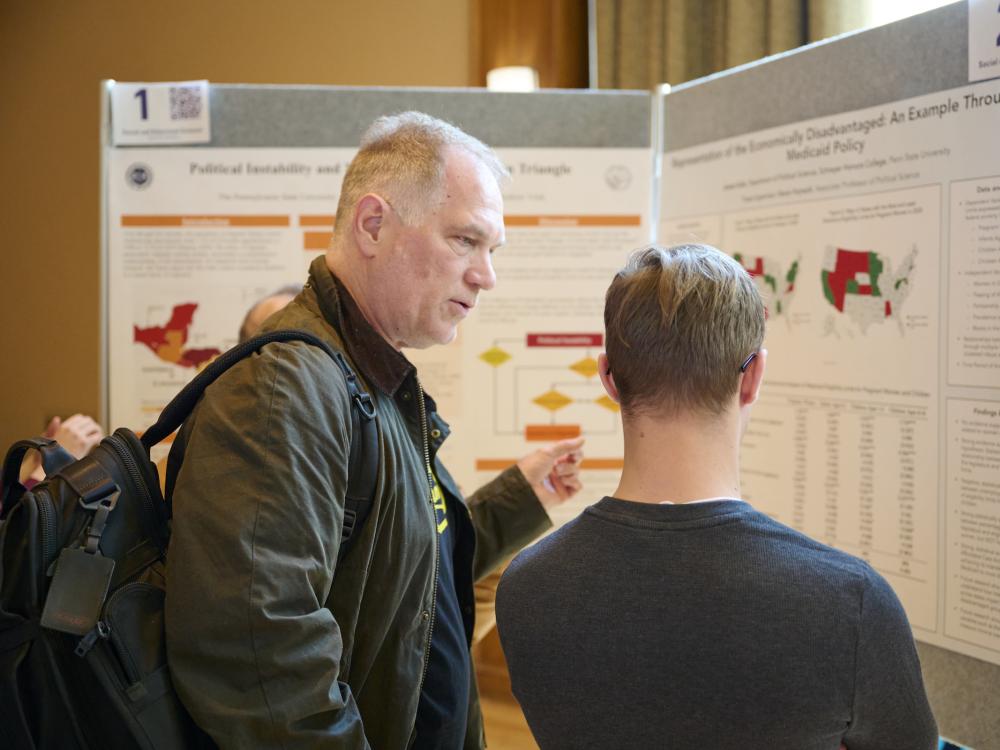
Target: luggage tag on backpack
76,594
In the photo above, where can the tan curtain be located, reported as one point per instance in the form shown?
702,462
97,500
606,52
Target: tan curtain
642,43
547,35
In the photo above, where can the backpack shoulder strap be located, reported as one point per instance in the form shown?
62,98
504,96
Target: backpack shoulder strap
362,466
54,459
362,470
181,406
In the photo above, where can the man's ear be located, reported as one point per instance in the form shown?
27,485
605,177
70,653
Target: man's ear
607,379
751,379
369,223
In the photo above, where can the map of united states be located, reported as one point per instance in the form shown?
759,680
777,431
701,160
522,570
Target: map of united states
775,285
862,285
168,342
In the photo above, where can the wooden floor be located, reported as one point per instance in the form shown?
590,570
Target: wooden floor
505,727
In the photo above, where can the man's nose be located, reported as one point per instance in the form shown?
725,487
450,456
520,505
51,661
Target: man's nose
480,273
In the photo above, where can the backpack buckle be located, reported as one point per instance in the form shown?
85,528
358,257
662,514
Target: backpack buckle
104,507
347,529
111,490
365,405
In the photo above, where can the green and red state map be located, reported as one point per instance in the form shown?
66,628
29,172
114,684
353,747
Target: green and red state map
862,285
776,285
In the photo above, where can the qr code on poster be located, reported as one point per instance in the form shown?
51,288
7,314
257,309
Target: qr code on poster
185,102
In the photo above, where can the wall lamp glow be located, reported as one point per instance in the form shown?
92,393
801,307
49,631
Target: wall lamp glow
512,78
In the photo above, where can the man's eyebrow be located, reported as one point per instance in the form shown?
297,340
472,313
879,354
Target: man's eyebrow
470,229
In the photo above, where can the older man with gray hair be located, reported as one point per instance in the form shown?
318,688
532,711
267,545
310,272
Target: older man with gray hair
271,642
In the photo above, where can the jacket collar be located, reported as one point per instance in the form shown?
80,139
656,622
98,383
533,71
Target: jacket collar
377,360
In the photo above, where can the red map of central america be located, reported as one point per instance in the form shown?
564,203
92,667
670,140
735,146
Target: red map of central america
167,342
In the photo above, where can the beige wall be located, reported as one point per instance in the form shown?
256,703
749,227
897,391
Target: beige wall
52,57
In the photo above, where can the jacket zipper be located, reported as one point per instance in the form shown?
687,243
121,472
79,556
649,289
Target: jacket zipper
437,539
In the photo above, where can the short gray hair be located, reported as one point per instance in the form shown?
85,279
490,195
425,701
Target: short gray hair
402,158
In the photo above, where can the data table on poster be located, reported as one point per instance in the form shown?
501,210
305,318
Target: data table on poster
846,472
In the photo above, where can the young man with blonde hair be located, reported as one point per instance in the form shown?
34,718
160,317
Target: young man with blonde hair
273,642
673,614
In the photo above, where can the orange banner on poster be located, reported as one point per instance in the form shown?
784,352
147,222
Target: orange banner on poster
165,220
499,464
603,463
536,432
317,240
325,220
566,220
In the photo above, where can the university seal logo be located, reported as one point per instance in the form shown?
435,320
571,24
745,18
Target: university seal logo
618,177
139,176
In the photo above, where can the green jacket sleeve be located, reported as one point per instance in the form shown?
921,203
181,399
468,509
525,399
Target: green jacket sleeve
258,508
507,515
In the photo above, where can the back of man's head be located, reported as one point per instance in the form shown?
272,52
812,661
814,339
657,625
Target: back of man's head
401,157
680,322
263,308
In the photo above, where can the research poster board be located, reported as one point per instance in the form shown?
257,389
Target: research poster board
203,235
849,224
529,354
871,225
196,235
522,372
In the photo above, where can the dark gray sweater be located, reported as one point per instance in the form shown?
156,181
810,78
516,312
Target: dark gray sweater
707,626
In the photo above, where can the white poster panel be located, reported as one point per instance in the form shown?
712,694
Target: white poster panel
873,236
984,40
972,521
196,236
529,353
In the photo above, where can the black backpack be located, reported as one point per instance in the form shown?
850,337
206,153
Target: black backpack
82,580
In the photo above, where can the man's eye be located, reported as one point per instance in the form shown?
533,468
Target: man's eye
466,241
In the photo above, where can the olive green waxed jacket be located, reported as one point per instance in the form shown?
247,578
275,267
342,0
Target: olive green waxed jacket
267,646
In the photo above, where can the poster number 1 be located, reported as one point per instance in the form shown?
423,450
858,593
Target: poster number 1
141,96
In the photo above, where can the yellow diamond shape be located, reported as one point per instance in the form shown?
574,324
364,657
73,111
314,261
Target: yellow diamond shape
586,367
607,403
553,401
495,356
